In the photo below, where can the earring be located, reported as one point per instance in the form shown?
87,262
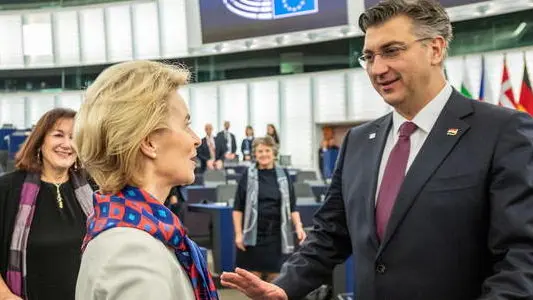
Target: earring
39,156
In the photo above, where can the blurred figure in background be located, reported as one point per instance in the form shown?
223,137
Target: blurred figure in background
273,133
44,206
227,140
176,202
247,142
327,148
262,213
210,152
135,139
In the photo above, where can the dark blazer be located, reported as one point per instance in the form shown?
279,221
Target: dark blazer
202,152
10,188
461,228
246,145
220,139
178,208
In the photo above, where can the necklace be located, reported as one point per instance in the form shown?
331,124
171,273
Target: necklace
57,179
59,198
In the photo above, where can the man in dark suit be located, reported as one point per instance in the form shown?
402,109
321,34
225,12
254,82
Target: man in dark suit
435,200
227,139
211,153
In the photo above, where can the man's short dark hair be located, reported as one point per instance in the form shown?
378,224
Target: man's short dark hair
429,17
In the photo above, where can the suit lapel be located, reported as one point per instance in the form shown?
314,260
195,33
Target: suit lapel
376,143
445,134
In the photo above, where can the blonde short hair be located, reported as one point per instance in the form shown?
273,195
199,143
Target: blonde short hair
266,141
126,103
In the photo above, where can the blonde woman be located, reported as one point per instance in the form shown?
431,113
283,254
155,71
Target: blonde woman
133,136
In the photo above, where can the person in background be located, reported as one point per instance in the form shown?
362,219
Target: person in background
273,133
44,206
176,202
433,200
263,211
327,143
225,139
134,137
247,142
210,152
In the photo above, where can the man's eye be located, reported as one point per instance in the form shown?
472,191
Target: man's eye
392,51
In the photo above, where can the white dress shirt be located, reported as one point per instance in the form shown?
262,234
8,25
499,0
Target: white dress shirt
229,140
211,145
424,120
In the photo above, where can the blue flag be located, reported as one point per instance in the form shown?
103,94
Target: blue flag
291,8
482,85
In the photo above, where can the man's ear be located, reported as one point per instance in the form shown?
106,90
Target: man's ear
438,45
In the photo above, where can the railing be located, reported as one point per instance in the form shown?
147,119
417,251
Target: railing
38,4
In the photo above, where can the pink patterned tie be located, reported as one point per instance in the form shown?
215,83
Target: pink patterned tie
393,177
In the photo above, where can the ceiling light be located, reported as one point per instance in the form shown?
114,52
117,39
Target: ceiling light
520,28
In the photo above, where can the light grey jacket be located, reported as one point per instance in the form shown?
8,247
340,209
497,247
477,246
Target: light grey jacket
130,264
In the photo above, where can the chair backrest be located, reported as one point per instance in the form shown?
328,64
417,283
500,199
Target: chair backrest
231,162
4,155
213,178
226,192
302,189
10,166
215,175
302,176
305,200
285,160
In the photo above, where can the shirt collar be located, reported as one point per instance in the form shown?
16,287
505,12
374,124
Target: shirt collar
427,116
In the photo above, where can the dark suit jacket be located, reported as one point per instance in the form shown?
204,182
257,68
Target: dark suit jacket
178,208
246,145
220,139
204,155
462,225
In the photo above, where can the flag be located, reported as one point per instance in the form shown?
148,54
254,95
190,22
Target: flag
506,94
526,94
291,8
482,87
466,88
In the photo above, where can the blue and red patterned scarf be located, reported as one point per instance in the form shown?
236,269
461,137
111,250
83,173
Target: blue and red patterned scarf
135,208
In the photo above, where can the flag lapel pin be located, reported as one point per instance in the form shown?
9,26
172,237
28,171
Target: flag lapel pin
452,131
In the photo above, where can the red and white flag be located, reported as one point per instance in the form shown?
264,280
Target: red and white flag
506,94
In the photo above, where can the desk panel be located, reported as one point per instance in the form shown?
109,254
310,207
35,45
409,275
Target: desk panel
223,237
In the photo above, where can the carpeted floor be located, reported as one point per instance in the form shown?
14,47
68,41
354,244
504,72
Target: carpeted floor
227,294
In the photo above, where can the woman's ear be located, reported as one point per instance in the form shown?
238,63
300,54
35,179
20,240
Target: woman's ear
148,147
